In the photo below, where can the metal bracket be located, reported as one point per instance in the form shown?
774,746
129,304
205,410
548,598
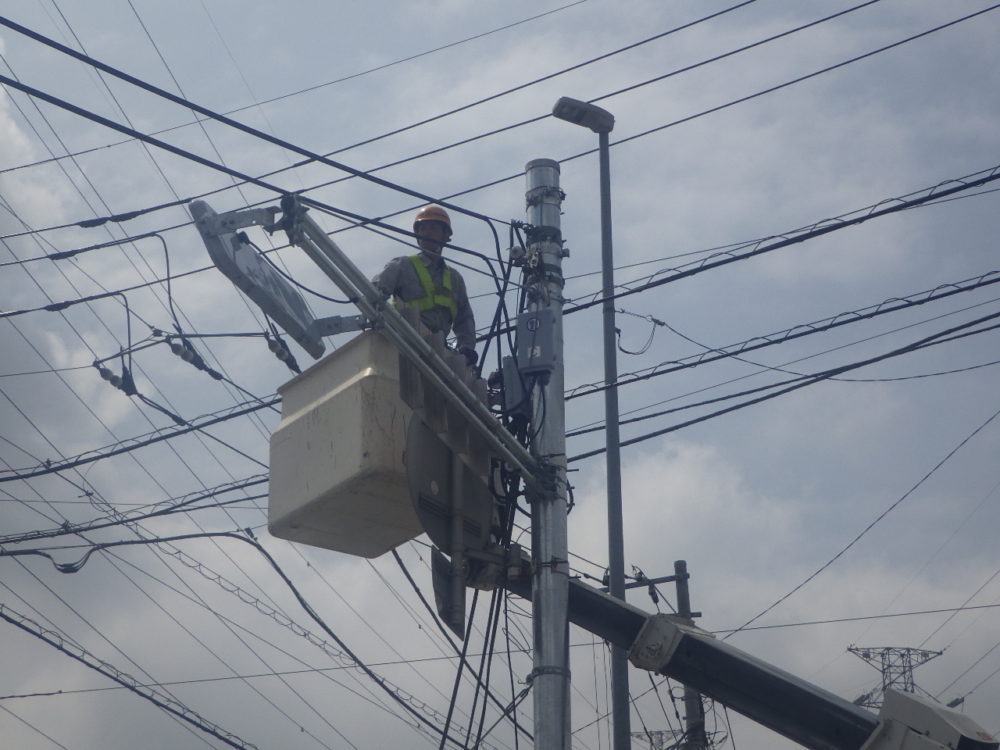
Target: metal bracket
232,221
658,639
338,324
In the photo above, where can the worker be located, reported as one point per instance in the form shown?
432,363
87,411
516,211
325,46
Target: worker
425,282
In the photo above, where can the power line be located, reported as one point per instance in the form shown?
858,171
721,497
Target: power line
133,214
92,548
796,383
783,367
174,505
33,727
893,304
871,525
800,79
312,88
161,700
121,75
130,444
852,218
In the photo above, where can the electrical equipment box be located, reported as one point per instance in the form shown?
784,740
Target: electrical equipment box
536,351
338,478
516,398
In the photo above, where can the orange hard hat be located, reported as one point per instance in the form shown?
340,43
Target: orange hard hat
432,213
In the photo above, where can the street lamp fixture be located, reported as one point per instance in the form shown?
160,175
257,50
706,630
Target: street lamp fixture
584,114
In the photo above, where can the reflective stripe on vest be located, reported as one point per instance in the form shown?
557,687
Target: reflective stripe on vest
433,297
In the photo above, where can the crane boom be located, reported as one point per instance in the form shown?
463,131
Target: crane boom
789,705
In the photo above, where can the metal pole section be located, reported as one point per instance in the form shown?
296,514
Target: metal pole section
694,710
550,576
620,715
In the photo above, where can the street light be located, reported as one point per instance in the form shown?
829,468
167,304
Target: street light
602,122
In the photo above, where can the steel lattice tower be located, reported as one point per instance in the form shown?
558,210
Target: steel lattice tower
896,663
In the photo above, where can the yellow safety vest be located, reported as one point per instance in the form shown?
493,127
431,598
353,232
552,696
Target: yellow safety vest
433,297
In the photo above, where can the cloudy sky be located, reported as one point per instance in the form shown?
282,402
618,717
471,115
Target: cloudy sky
732,131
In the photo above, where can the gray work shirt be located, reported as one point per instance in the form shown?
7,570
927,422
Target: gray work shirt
400,279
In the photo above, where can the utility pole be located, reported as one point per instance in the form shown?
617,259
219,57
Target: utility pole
540,327
694,711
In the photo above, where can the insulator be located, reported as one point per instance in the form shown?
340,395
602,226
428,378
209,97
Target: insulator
105,373
177,349
282,354
187,355
274,345
115,380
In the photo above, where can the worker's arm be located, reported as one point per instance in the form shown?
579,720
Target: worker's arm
464,324
387,281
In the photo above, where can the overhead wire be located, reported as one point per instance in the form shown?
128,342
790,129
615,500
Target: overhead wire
169,306
762,246
801,330
859,618
73,567
796,383
288,95
872,524
588,427
282,619
130,444
257,133
33,727
90,625
133,214
172,617
158,699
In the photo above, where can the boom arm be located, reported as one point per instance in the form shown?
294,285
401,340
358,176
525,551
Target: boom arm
792,707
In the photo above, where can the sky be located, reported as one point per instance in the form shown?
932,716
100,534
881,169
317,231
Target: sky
860,510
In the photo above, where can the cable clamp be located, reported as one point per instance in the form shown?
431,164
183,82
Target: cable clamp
540,671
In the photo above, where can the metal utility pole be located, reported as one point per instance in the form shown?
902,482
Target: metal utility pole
694,711
550,563
602,122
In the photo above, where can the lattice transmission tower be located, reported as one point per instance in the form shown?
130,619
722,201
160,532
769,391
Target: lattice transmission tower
896,663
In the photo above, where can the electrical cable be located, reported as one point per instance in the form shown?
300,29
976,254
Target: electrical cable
133,214
858,618
308,89
278,617
593,426
852,218
713,354
792,82
180,100
167,613
173,505
794,384
33,727
459,652
158,699
92,548
130,444
172,617
871,525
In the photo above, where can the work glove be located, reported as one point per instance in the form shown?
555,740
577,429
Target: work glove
470,355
